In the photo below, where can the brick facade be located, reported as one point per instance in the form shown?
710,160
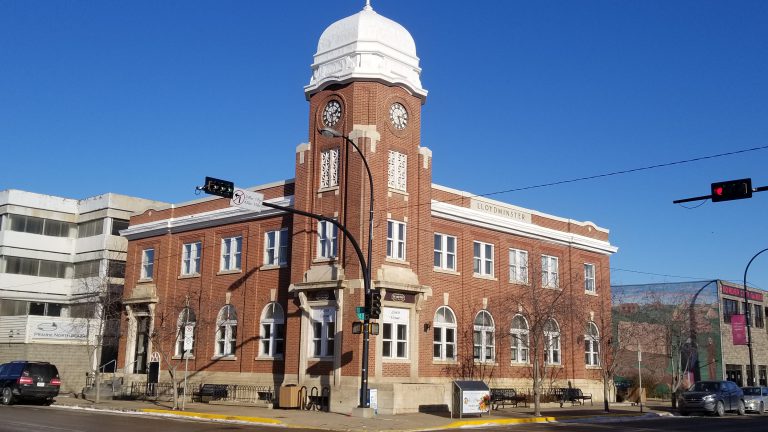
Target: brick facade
313,291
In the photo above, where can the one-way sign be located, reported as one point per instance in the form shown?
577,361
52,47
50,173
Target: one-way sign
247,199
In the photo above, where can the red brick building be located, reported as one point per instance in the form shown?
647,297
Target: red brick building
469,284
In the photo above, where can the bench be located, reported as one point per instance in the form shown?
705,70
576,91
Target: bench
209,392
573,395
502,396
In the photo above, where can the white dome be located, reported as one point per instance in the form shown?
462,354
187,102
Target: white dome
366,47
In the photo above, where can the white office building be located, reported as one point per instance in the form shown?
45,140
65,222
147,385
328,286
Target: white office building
61,262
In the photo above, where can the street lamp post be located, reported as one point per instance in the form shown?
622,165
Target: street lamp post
332,133
751,372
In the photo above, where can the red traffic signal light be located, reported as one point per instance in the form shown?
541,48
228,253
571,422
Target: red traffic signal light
731,190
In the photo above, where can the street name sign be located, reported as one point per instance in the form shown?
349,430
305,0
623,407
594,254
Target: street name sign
246,199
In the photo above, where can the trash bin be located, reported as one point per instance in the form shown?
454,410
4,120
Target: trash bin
289,396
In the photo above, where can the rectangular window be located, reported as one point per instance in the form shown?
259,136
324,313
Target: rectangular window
552,351
55,228
549,271
231,250
323,332
758,316
445,252
394,333
589,278
276,248
86,269
190,261
147,263
395,240
119,225
591,353
518,266
329,168
26,224
36,267
483,259
730,308
327,240
397,170
91,228
115,268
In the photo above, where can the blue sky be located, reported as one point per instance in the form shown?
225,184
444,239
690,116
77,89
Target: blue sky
146,98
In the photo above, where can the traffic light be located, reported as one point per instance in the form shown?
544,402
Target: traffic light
375,305
732,190
222,188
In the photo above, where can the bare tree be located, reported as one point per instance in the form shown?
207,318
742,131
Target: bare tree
545,308
98,309
167,338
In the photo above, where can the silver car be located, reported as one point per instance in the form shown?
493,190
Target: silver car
756,398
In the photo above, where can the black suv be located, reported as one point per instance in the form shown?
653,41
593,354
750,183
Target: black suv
28,380
714,397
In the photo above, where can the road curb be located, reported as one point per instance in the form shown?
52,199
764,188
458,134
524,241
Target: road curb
245,419
487,422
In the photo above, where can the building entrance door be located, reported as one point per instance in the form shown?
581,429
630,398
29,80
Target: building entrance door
142,345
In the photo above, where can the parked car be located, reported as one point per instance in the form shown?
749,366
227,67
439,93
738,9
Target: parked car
756,398
28,380
715,397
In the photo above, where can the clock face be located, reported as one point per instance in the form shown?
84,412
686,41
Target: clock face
398,116
332,113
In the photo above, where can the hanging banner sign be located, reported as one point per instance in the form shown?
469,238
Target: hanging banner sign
739,329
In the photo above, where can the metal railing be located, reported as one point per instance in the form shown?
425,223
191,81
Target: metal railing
235,393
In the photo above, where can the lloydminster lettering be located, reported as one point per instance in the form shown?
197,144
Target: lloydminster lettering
502,211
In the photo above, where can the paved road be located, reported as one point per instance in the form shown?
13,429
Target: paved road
749,423
28,418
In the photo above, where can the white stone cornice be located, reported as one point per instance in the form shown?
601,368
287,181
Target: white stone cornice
473,217
465,194
209,219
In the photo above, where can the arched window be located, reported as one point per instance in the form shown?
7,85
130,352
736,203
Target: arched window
444,340
591,345
483,337
186,319
272,328
551,342
519,333
226,331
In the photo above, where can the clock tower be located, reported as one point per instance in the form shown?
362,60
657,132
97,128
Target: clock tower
366,85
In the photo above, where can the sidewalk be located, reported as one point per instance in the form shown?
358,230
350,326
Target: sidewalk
342,422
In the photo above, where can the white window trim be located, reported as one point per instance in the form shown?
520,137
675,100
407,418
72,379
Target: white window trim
191,255
443,327
445,253
395,245
480,262
280,247
517,345
326,339
592,346
230,334
232,256
484,330
147,263
397,172
553,344
550,278
327,246
278,319
518,272
394,340
589,281
329,168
